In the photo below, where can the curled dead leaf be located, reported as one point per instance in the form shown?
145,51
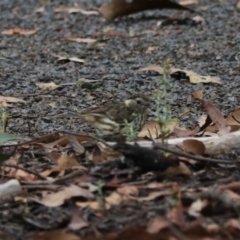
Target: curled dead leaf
216,116
58,198
193,77
128,191
93,205
238,5
50,85
234,117
197,94
152,129
11,100
119,8
19,31
194,146
181,169
188,2
197,206
80,40
74,10
157,224
114,198
67,162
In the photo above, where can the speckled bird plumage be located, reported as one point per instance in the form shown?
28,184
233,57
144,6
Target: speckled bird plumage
110,120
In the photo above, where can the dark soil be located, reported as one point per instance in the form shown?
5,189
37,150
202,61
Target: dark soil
209,48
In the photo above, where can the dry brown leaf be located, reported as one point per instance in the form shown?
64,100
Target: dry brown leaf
78,148
209,132
197,94
154,195
15,173
50,86
51,145
152,129
114,198
233,223
182,169
198,19
102,153
232,195
72,59
39,10
119,8
193,77
231,186
234,117
234,128
196,78
196,207
213,228
151,49
58,198
63,59
202,120
54,156
19,31
75,10
67,162
176,215
182,132
157,185
216,116
54,235
93,205
238,5
52,105
75,59
188,2
157,224
128,191
194,146
47,172
11,100
77,222
80,40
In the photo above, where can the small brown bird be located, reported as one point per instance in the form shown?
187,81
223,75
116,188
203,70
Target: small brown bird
114,120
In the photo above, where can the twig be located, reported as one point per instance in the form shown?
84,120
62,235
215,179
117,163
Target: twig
42,94
46,136
69,176
42,187
194,157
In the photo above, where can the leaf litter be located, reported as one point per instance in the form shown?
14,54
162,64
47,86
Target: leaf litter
79,161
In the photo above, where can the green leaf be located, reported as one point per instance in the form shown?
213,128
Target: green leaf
4,137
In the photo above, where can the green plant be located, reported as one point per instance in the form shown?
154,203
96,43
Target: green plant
100,185
82,84
26,207
4,119
163,110
131,134
100,198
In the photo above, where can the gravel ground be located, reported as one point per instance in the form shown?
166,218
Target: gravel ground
210,48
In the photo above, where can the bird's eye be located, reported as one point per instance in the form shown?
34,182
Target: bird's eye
138,101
